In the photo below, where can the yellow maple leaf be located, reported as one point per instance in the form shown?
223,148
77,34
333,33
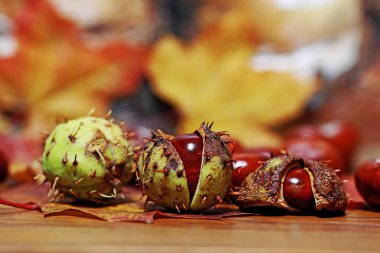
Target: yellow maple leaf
215,85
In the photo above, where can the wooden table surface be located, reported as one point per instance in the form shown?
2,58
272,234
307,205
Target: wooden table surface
28,231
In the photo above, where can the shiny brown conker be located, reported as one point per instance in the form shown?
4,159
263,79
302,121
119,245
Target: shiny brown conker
315,149
304,131
189,148
297,190
341,134
248,160
367,180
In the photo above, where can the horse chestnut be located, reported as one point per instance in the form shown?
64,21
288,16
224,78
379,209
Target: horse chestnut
342,135
87,159
315,149
295,184
248,160
3,166
189,148
185,172
304,131
367,180
232,144
297,189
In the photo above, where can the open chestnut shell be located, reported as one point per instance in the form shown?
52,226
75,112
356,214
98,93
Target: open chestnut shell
171,177
282,182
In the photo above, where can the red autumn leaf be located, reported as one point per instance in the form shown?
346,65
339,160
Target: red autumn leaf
23,193
27,206
27,196
54,73
22,153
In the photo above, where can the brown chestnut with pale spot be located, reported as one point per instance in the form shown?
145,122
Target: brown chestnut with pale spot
295,184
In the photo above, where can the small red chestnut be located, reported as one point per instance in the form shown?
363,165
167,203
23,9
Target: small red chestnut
297,189
3,166
367,180
315,149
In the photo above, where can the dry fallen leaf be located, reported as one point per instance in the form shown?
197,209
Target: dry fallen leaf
129,212
131,209
25,196
212,84
120,212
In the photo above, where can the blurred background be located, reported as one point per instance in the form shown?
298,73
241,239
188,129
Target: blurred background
256,68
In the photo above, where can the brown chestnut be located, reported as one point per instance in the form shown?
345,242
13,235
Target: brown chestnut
248,160
367,180
341,134
189,148
316,149
297,189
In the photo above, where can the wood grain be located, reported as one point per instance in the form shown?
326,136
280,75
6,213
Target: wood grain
28,231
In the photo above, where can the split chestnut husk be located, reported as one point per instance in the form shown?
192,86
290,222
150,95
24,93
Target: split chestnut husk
295,184
190,172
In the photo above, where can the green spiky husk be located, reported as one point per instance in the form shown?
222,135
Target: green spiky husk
87,159
163,177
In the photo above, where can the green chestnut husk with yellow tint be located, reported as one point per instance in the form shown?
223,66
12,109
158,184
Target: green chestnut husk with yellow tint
87,159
